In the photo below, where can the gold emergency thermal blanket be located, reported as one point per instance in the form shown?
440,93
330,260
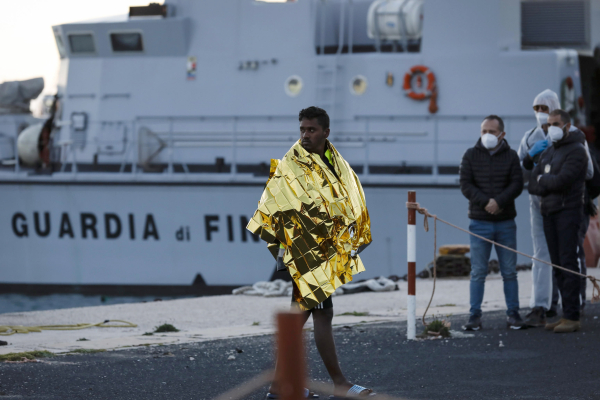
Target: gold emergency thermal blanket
320,220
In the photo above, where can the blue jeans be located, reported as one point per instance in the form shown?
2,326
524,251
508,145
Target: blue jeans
504,232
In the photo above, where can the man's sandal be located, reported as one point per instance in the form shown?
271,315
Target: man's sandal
307,394
353,393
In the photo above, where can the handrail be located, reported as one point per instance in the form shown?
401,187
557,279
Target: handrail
188,142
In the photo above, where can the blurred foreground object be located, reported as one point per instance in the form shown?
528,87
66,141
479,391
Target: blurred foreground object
291,364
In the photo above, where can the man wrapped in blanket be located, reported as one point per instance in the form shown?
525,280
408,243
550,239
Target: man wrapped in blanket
314,218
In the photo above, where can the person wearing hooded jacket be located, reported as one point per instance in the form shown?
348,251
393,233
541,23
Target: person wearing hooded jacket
558,178
491,179
544,297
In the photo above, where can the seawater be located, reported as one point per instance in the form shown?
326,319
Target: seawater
10,303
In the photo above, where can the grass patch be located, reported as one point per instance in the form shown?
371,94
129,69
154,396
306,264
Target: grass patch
86,351
165,328
356,314
255,323
148,334
438,327
30,355
446,305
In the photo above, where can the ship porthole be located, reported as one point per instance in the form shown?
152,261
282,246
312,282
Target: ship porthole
293,86
358,85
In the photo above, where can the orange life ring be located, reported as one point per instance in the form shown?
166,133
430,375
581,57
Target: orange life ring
419,71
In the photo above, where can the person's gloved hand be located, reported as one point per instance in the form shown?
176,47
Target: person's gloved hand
538,148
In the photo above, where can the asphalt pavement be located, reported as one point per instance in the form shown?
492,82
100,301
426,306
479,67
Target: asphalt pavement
493,364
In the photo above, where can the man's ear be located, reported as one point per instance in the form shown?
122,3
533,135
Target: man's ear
327,133
568,126
501,136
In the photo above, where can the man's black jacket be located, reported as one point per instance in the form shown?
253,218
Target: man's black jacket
484,176
561,172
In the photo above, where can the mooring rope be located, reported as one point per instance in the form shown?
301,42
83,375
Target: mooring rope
426,214
7,330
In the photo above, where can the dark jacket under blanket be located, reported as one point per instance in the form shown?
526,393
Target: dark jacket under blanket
561,171
484,176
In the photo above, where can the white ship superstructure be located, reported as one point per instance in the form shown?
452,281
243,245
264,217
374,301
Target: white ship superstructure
167,119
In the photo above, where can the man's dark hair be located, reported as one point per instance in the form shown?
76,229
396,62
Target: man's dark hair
315,112
497,118
564,116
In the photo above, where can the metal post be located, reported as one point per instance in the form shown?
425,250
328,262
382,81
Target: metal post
16,150
135,142
234,148
322,29
366,163
170,169
291,364
411,251
341,31
377,33
436,155
351,27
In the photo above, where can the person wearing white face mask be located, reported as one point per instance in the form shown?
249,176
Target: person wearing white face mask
534,142
491,179
559,179
544,295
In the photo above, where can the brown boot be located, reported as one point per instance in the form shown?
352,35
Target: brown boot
567,326
551,326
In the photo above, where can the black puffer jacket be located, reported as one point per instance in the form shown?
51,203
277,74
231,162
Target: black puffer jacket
561,171
484,176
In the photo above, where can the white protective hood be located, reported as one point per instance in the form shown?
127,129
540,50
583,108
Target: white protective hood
547,98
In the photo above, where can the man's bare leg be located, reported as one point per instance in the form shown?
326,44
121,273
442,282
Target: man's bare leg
322,320
326,345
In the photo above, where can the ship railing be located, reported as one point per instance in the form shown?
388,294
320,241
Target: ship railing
178,144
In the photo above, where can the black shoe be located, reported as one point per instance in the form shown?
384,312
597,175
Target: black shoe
514,321
551,313
537,317
474,324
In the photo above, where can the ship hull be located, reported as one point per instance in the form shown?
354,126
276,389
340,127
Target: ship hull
161,235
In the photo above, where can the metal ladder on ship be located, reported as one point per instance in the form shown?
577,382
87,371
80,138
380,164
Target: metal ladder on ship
326,85
328,66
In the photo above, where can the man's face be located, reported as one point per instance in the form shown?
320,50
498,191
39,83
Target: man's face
554,120
313,136
492,126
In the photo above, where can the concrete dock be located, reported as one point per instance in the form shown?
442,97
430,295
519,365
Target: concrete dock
220,317
196,362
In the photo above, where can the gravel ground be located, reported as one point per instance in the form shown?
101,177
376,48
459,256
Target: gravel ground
531,364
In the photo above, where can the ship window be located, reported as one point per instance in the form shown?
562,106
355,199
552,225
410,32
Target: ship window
130,41
293,85
358,85
555,24
82,43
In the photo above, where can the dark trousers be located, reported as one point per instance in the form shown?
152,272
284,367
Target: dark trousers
582,232
562,235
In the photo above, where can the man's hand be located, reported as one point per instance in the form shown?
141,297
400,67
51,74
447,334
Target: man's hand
492,207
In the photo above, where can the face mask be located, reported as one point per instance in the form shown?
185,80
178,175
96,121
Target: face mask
489,141
555,133
542,118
